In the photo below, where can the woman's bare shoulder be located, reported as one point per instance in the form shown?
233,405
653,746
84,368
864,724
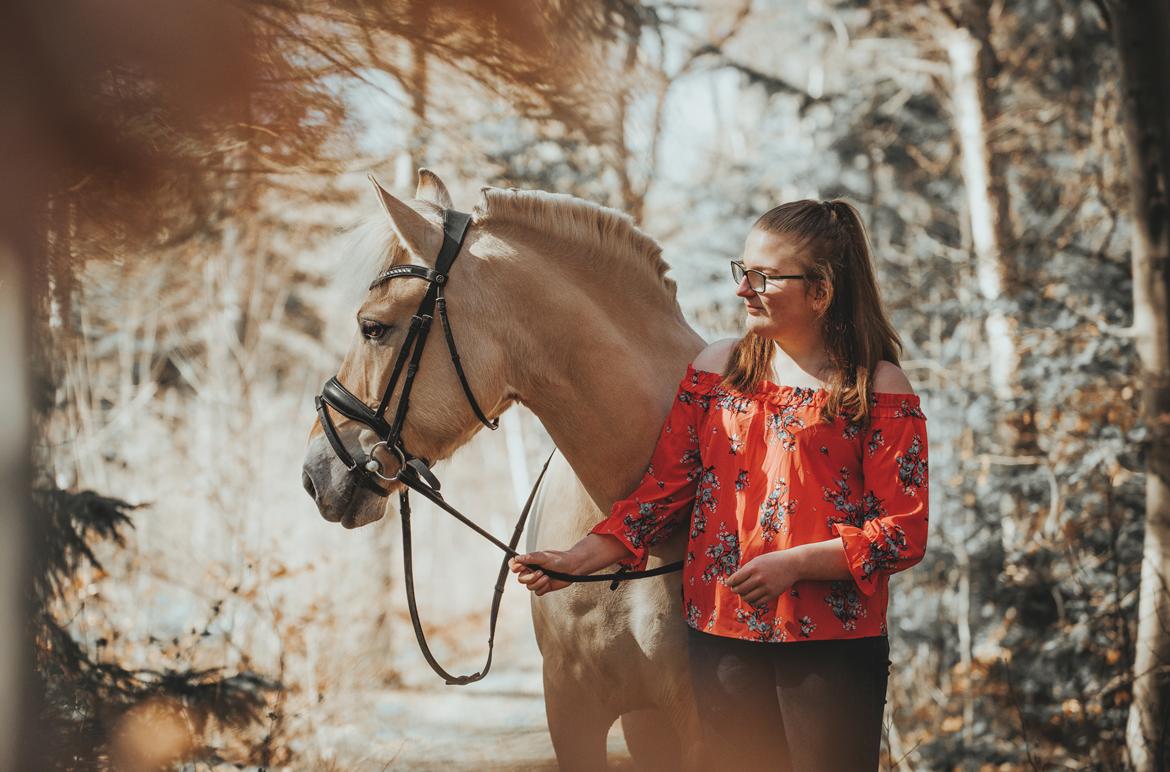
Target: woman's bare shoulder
889,378
714,358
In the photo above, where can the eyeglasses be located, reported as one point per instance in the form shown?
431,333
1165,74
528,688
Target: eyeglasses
757,280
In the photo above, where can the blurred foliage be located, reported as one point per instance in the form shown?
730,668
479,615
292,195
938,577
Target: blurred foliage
88,697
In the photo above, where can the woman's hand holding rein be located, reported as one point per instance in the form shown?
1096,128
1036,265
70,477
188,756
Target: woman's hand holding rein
590,554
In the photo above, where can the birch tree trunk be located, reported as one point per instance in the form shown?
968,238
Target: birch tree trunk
1141,31
632,202
985,187
405,173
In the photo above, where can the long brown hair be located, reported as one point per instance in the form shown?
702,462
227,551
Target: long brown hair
857,333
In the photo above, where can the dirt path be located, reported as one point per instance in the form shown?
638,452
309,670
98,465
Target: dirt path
495,724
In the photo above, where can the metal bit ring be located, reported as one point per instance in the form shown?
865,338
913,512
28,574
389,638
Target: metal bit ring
374,467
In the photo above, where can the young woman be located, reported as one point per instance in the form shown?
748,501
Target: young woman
799,454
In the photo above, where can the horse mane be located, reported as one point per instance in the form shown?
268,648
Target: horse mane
612,234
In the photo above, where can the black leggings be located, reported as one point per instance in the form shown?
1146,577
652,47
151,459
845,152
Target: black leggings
803,706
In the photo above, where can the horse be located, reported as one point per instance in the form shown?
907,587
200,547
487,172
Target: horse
564,306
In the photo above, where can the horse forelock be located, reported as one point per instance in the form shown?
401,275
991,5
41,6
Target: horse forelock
370,248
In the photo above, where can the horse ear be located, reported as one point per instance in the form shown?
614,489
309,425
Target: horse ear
431,188
420,237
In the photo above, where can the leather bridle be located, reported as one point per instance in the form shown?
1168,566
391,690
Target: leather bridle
414,472
341,399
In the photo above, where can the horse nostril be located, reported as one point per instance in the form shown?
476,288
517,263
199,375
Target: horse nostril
308,483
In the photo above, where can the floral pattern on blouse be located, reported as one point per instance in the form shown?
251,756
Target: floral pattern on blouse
755,473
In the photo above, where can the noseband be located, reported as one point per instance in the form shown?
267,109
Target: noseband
414,472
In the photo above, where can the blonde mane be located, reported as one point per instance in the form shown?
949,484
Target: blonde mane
611,234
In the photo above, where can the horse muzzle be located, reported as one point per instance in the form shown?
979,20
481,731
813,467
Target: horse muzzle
341,497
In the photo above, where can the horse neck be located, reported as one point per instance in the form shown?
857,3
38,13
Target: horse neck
596,355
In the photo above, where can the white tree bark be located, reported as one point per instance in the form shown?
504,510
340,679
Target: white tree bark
1142,33
967,101
414,153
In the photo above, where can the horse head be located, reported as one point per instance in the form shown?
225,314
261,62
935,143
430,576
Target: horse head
366,435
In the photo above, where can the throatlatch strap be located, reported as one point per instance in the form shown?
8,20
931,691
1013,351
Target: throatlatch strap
441,303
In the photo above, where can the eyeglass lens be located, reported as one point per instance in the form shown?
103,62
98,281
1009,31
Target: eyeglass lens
756,280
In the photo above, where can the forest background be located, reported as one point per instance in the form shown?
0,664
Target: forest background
184,182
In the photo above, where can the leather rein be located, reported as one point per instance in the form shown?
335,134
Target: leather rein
414,472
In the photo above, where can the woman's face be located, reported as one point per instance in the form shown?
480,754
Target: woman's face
786,306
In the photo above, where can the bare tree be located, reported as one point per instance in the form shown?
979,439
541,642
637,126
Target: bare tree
966,38
1141,30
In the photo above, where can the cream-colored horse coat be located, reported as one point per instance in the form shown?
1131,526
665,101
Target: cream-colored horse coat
563,306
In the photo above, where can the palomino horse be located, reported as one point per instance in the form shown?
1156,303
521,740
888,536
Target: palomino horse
563,306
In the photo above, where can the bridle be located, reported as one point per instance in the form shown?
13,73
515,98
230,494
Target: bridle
341,399
414,472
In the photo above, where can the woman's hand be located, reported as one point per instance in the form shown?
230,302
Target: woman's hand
535,579
592,552
764,577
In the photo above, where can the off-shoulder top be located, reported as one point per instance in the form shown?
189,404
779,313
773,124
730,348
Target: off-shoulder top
754,473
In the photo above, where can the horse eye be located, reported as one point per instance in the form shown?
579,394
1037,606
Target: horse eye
372,330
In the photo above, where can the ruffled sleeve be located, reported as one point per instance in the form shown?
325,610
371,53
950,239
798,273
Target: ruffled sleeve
894,466
666,493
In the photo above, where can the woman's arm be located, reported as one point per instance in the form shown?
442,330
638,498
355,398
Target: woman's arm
822,560
894,467
827,560
663,498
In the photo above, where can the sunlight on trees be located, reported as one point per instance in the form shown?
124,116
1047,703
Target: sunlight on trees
186,184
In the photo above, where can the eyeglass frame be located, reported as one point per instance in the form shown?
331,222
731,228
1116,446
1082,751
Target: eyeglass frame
746,271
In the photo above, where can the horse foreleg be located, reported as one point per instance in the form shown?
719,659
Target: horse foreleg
652,740
578,724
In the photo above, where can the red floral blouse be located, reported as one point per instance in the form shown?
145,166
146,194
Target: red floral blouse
760,472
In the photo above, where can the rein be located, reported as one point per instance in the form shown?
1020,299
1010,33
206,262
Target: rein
414,472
